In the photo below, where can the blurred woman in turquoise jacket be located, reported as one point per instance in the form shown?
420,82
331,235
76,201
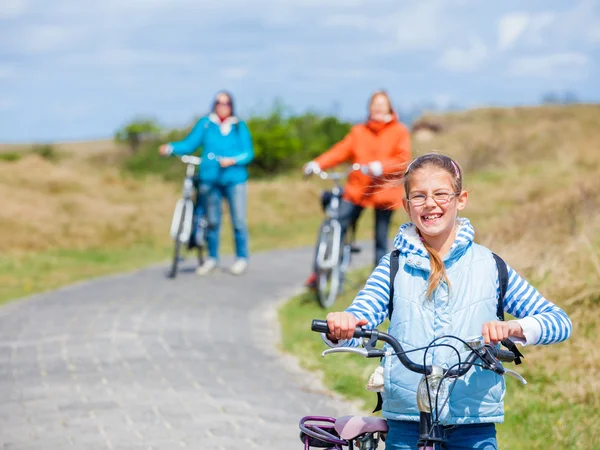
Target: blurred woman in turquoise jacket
226,152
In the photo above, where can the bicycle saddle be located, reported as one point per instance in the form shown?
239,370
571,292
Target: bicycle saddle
349,427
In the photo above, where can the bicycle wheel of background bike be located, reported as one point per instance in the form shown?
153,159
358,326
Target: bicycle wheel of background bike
328,286
328,280
177,247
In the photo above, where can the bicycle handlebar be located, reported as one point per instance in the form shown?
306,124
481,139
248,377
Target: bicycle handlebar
190,159
490,354
356,167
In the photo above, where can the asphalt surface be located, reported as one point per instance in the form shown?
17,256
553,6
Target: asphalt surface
138,361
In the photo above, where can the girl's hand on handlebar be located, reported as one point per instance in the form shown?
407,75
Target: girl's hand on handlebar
164,149
495,331
342,325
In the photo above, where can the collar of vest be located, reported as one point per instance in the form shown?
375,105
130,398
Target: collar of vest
409,243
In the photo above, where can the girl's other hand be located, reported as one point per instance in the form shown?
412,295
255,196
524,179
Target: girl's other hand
342,325
496,331
226,162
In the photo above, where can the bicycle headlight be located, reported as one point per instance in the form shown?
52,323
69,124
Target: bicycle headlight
437,389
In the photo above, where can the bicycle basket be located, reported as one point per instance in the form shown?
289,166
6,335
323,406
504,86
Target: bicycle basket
326,197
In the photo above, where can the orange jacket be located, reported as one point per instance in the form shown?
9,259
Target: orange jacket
387,143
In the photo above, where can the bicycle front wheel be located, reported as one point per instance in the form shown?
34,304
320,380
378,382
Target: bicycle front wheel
177,245
329,272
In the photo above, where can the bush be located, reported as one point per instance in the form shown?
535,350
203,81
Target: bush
46,151
281,143
10,156
137,132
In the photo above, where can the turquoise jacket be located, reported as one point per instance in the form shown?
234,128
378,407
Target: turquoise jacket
230,139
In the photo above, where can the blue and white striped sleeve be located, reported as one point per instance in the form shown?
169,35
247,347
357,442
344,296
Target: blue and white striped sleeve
542,321
371,303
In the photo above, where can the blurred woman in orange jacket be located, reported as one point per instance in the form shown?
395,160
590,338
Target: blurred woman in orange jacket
383,144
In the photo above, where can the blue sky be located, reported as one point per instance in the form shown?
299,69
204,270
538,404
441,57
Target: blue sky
78,69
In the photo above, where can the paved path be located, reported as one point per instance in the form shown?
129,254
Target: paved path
137,361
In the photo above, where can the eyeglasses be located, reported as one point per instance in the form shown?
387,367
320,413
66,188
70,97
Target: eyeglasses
223,103
440,198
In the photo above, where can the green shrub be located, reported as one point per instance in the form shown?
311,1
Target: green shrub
281,142
46,151
10,156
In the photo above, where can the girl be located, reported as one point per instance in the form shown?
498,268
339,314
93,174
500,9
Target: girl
383,144
446,284
227,151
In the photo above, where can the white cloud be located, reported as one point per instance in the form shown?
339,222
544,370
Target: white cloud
529,28
42,38
555,66
442,101
510,27
10,9
464,59
419,26
127,57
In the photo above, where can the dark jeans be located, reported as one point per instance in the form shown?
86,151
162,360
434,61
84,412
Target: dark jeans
349,213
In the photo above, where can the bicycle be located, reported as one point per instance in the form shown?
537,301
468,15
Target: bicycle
189,222
433,391
333,252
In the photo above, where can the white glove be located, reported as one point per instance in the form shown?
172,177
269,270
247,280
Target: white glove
375,168
312,167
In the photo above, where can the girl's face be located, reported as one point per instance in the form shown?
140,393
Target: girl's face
223,105
433,204
380,108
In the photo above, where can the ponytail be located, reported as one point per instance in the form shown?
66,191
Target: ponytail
437,274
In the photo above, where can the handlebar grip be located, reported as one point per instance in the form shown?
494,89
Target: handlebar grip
505,355
320,326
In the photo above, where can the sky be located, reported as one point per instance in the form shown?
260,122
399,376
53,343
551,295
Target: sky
79,69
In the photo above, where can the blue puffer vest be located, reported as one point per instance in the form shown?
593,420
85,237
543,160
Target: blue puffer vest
478,396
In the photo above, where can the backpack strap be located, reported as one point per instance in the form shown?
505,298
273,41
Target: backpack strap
394,262
503,282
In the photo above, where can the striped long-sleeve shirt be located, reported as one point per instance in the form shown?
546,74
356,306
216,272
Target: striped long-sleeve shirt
542,321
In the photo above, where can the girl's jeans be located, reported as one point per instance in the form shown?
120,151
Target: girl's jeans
236,196
404,436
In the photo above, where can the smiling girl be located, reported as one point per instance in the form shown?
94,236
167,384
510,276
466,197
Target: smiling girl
446,285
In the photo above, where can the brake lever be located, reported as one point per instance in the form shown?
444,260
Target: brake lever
516,375
358,351
374,353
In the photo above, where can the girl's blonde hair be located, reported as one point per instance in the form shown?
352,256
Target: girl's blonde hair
437,273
